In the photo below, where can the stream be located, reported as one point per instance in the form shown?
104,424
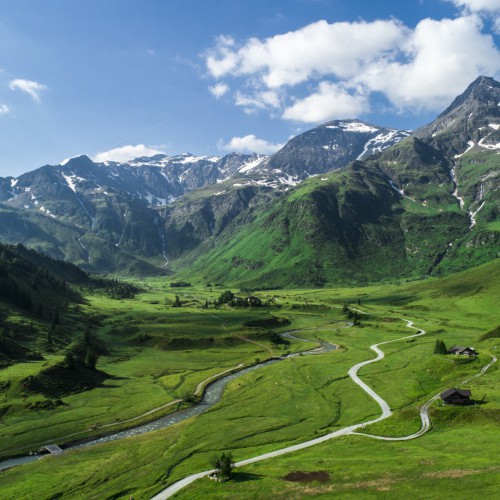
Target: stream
211,396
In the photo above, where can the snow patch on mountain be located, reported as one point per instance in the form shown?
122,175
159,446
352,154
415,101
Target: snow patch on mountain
354,126
382,141
247,167
470,146
400,191
194,159
69,181
472,215
453,174
45,210
488,146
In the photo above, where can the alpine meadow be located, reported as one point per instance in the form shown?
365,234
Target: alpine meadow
308,317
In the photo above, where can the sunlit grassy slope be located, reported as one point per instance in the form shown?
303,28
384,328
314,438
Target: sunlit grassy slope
303,397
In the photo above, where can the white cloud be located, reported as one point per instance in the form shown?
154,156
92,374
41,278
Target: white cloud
4,109
496,26
221,60
329,102
441,59
126,153
28,86
249,144
477,5
219,89
317,49
324,71
267,99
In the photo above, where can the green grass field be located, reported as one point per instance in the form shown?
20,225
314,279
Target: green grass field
289,402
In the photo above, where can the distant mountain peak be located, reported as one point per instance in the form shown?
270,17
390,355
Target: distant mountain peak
481,90
77,161
471,120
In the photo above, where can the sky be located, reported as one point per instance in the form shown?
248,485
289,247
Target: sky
119,79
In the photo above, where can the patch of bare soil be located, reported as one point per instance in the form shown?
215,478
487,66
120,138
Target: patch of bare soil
308,477
454,473
382,484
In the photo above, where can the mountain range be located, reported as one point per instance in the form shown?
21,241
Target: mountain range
345,202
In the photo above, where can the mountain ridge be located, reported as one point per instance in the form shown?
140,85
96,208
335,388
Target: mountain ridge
174,211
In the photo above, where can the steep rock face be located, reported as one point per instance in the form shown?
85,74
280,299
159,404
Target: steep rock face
473,119
344,227
195,222
468,134
6,188
423,204
115,202
332,146
445,204
418,171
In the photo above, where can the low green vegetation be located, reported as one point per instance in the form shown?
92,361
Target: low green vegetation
151,353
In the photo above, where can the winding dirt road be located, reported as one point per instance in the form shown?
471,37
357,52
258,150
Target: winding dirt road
384,406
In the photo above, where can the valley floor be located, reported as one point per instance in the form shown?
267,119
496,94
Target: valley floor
298,399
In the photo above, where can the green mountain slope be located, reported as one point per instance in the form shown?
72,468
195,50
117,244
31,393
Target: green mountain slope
34,299
350,226
422,207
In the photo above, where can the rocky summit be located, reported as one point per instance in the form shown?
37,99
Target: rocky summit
344,201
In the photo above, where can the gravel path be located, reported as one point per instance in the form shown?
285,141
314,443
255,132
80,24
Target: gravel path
353,373
386,412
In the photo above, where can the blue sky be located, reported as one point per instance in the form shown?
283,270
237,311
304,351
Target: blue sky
119,78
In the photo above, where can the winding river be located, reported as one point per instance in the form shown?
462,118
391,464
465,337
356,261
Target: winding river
211,396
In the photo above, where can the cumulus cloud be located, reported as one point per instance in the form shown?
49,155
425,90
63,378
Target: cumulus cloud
221,59
4,109
249,144
497,26
329,102
126,153
266,99
477,5
317,49
442,58
324,71
219,89
28,86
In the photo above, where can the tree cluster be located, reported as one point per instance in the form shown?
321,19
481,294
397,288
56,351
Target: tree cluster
73,360
225,297
119,290
179,284
351,314
223,465
246,302
11,292
440,347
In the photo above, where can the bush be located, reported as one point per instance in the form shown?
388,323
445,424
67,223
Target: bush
223,465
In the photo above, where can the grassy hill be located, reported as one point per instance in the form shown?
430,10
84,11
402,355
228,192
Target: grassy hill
285,403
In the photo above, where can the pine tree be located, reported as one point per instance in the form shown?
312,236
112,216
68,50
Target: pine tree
91,359
440,347
436,347
223,465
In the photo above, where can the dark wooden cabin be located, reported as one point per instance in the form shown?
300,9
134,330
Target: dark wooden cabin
456,396
462,351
